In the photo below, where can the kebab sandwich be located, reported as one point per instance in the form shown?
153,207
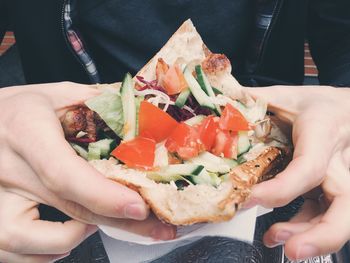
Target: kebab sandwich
182,132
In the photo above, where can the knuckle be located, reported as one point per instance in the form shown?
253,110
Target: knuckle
79,212
276,201
54,179
57,178
282,200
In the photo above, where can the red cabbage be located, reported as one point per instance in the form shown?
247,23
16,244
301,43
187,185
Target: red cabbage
174,111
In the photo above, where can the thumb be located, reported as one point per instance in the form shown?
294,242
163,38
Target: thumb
284,101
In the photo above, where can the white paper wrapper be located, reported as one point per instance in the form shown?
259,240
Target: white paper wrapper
122,246
241,227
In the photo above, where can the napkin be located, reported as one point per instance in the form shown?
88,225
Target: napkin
122,246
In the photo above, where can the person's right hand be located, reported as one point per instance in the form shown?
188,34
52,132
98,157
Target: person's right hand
319,170
37,166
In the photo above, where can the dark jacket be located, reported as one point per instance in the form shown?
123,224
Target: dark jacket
270,49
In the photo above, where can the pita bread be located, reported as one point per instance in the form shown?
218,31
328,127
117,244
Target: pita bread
196,203
187,45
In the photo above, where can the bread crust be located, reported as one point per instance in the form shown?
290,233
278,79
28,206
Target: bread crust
167,202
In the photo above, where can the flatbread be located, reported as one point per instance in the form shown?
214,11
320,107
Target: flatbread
198,203
186,45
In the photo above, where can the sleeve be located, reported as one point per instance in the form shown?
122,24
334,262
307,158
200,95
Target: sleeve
329,40
3,19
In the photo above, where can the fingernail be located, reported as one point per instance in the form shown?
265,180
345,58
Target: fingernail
282,236
307,251
279,239
163,233
135,211
250,203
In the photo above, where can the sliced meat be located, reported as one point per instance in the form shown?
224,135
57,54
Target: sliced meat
74,121
91,128
216,63
82,119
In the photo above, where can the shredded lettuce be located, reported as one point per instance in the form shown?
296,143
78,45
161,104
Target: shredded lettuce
109,107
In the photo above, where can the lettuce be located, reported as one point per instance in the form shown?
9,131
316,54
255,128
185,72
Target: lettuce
109,107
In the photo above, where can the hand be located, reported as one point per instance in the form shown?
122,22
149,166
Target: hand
37,166
321,137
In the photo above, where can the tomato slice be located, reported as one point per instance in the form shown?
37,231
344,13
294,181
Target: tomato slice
174,80
232,120
137,153
208,129
226,144
161,69
221,139
185,141
231,147
155,123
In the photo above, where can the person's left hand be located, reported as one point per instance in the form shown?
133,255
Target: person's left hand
321,161
38,166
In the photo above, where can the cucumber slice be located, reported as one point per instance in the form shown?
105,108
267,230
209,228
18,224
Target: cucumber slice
183,169
202,98
175,172
243,143
138,101
129,108
217,92
182,98
195,120
179,169
211,162
100,149
204,177
165,178
80,150
94,154
205,85
230,162
241,159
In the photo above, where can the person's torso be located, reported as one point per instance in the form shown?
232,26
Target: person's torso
122,35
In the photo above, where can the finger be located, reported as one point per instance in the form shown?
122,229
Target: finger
310,209
151,227
22,232
64,94
30,187
278,233
44,237
305,171
20,258
328,236
60,94
285,97
71,177
283,101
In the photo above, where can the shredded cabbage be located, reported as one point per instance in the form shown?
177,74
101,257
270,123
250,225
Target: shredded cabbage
159,97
